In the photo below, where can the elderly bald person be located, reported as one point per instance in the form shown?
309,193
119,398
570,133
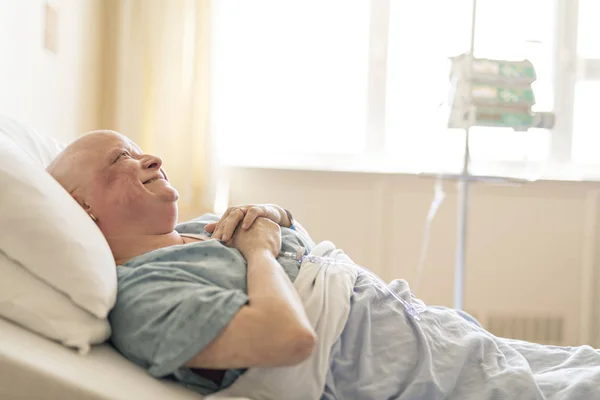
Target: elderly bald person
201,309
195,308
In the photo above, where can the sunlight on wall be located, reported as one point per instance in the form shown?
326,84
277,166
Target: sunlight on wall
56,93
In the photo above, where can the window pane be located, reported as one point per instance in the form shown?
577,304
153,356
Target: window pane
586,129
418,66
290,75
588,45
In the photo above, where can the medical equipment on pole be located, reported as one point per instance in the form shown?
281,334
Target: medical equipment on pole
488,93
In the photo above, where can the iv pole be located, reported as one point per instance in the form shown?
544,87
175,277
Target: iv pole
467,119
463,190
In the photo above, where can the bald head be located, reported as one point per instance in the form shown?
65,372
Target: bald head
125,191
73,166
122,188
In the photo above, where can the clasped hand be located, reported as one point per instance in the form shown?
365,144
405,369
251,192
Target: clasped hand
251,228
263,237
242,217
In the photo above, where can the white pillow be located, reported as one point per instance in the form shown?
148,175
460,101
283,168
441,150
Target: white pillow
44,229
37,306
41,148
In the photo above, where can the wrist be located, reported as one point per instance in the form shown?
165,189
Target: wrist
258,254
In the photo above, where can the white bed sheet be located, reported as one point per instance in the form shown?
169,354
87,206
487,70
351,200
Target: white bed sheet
33,367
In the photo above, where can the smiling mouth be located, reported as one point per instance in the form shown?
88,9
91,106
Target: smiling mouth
151,180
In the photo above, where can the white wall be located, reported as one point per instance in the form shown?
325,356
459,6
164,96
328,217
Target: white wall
533,251
55,93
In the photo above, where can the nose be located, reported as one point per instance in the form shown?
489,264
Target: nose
152,162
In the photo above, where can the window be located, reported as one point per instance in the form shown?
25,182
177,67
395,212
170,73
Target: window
418,77
359,84
290,76
586,125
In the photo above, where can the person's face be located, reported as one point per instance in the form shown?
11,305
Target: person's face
125,189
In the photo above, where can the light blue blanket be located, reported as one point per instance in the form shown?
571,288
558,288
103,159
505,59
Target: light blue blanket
384,353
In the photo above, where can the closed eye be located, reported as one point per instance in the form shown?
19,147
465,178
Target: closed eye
122,154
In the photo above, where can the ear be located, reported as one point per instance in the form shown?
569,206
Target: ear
86,207
81,202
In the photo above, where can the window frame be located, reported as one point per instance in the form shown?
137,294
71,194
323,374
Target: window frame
565,79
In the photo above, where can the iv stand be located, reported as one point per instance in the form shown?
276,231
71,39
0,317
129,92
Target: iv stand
463,196
538,120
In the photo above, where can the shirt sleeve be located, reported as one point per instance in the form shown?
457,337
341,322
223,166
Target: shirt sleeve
163,318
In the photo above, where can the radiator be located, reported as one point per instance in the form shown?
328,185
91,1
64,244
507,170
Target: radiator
544,329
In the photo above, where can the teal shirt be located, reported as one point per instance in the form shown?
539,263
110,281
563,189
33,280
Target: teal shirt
173,301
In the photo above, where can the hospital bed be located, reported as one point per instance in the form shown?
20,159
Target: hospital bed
469,361
33,367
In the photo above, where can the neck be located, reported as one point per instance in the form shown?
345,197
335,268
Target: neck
124,248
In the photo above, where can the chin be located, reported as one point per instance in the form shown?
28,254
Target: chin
171,195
